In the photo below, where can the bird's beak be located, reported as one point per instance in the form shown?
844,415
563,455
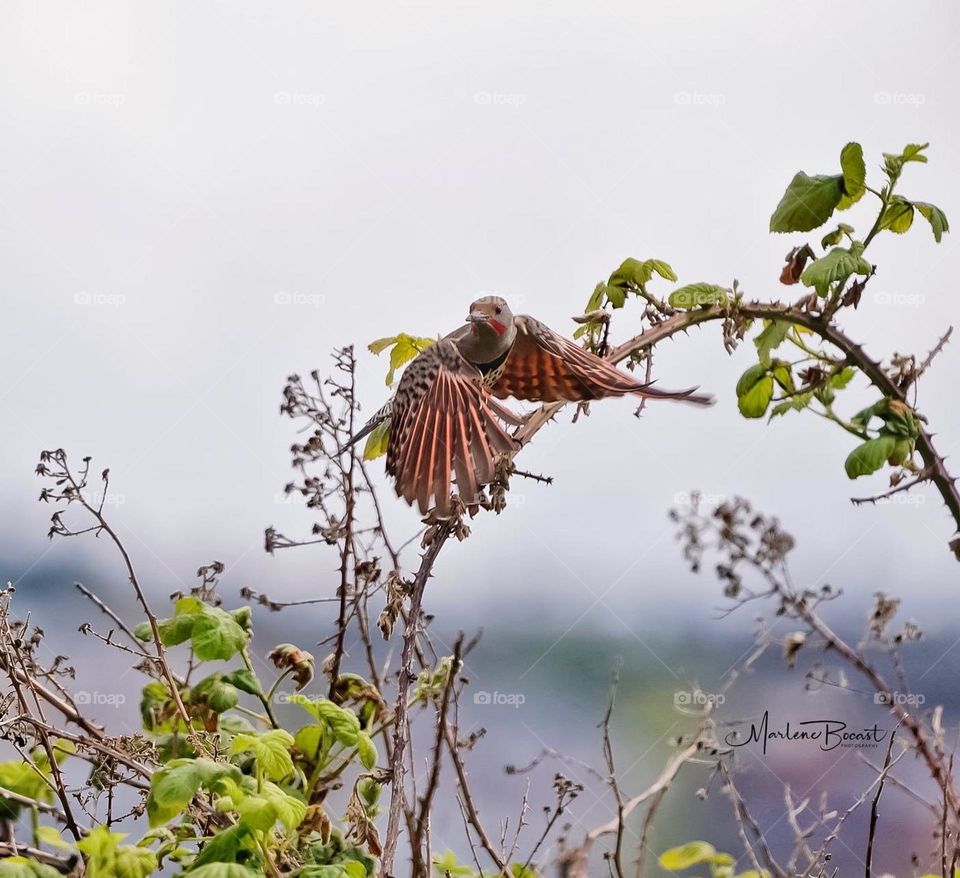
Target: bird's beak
477,317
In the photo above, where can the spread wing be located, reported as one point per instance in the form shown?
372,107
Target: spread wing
546,367
441,427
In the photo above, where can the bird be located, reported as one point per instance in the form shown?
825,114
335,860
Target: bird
445,418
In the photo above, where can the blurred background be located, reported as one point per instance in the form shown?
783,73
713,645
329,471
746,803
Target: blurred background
198,199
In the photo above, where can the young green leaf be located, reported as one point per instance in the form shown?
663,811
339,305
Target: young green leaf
870,456
854,174
244,680
837,265
367,750
898,216
753,404
936,217
216,635
807,203
378,441
21,867
225,870
687,855
403,348
343,723
773,334
270,749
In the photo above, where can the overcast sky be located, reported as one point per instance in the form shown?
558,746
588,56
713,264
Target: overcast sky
197,199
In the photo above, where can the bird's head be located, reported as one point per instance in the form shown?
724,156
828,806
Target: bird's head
491,315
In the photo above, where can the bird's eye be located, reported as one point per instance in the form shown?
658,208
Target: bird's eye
499,310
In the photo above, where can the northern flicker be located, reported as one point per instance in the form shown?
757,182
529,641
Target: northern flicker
445,421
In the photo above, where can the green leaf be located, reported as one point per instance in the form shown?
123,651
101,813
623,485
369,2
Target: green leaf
244,680
403,347
378,441
174,786
836,266
617,296
831,239
843,378
794,403
753,404
773,334
898,216
134,862
216,635
870,456
350,869
258,812
749,378
343,723
936,217
596,298
912,152
224,870
367,750
226,845
20,777
854,175
21,867
782,375
698,295
687,855
290,809
633,271
902,452
807,203
270,749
